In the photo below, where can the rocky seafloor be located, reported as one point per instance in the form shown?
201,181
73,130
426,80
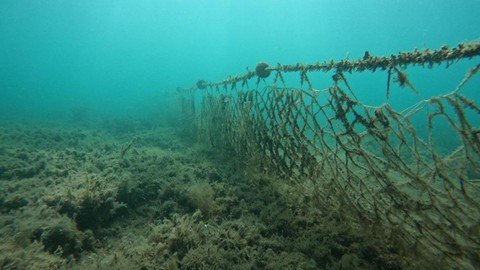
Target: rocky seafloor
149,198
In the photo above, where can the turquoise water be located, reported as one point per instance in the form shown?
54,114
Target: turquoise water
124,57
117,182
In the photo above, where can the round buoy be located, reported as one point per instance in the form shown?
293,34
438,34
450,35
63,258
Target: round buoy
201,84
262,70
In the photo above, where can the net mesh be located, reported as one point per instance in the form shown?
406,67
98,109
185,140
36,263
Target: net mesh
373,163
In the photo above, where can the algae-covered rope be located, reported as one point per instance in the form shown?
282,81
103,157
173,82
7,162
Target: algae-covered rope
367,62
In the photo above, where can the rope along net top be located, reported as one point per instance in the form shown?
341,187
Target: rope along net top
373,163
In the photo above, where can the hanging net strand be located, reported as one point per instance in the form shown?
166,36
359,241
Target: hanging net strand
413,175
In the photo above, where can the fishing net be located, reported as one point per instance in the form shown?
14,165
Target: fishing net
376,164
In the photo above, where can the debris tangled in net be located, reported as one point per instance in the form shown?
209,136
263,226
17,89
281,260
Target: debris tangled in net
367,162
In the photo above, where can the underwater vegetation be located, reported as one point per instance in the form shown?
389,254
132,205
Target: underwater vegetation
164,204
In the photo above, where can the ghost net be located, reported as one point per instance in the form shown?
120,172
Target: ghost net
374,163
